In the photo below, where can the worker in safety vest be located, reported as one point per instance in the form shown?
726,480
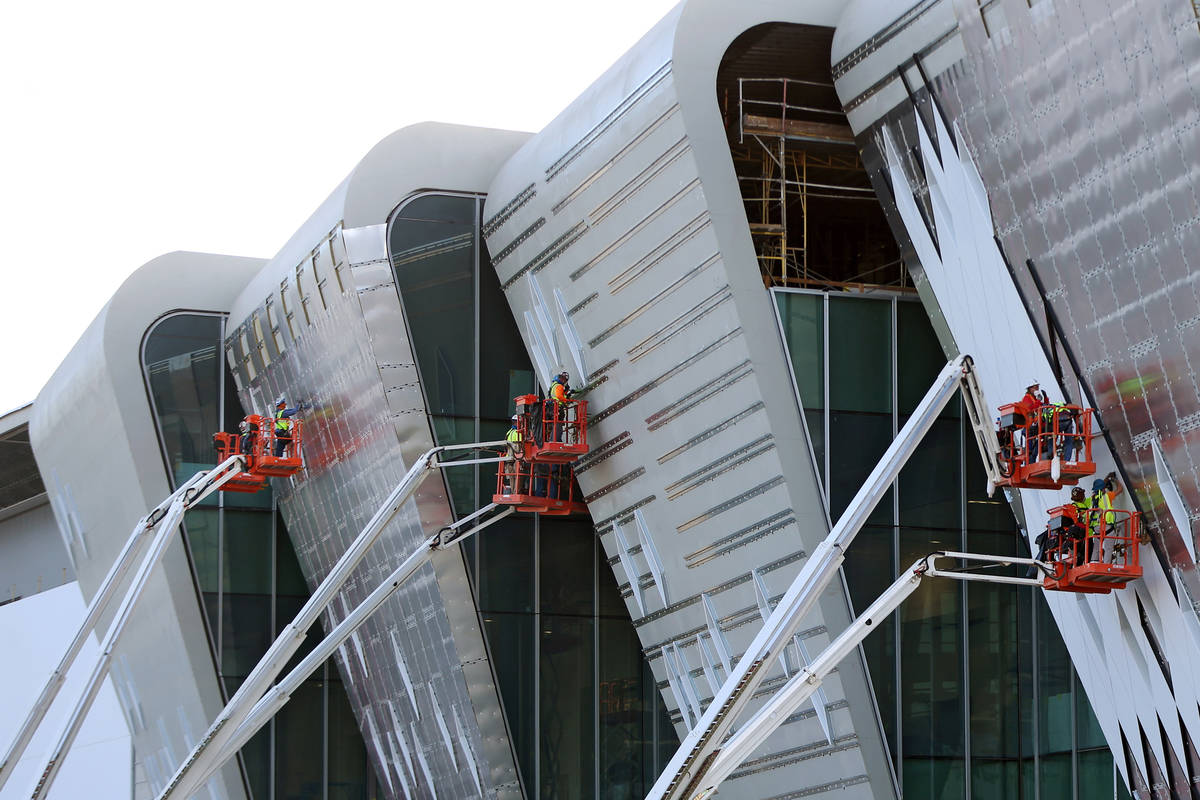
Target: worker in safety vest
511,470
560,389
1100,505
283,424
1057,418
514,436
1081,504
560,395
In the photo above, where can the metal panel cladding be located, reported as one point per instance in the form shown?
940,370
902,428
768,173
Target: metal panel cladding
1076,126
619,237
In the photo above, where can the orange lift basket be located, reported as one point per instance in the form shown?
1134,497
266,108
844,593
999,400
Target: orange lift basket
551,432
229,444
539,487
1029,447
1097,563
261,460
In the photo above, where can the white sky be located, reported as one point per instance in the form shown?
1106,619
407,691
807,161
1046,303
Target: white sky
131,129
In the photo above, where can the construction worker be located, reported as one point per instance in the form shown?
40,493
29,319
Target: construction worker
511,470
1081,530
248,441
1031,401
514,436
560,395
1029,405
283,424
1057,421
1100,504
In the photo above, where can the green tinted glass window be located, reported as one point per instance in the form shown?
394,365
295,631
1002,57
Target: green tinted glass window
919,357
930,487
803,320
567,566
504,368
568,712
183,374
432,246
860,355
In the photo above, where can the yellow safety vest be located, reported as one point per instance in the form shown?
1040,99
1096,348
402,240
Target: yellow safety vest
282,423
514,435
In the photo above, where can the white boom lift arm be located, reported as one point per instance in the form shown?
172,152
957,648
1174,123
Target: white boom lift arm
278,696
164,517
685,774
735,750
217,746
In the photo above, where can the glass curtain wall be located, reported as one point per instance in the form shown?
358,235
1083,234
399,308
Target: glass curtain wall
582,706
975,689
246,573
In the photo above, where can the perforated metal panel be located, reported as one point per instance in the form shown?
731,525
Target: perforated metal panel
1070,130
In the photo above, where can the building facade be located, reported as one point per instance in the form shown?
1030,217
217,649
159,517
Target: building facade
756,239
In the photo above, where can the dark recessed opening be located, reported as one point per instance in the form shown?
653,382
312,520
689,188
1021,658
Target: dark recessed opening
813,214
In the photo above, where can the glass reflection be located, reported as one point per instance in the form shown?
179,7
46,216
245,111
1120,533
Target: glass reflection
973,663
246,570
583,710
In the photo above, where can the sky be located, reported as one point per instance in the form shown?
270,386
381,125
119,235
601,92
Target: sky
132,129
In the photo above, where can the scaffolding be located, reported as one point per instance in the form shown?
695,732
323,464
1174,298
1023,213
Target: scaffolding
786,154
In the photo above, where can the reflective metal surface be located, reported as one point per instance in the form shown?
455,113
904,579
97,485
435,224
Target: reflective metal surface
619,236
1076,129
416,673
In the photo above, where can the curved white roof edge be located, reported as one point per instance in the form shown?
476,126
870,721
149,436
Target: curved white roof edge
427,155
108,353
94,439
694,35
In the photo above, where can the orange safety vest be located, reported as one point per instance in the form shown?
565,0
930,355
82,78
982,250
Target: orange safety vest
558,393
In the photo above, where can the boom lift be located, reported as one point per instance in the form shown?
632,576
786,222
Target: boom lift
1095,550
540,478
1048,450
712,751
259,456
164,518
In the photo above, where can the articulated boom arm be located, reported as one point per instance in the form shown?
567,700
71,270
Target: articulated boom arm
164,518
248,709
686,773
796,692
979,414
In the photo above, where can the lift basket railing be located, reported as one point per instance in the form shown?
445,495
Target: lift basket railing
543,488
1092,549
551,431
1048,449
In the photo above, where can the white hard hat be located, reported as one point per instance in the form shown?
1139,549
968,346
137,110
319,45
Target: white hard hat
281,401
